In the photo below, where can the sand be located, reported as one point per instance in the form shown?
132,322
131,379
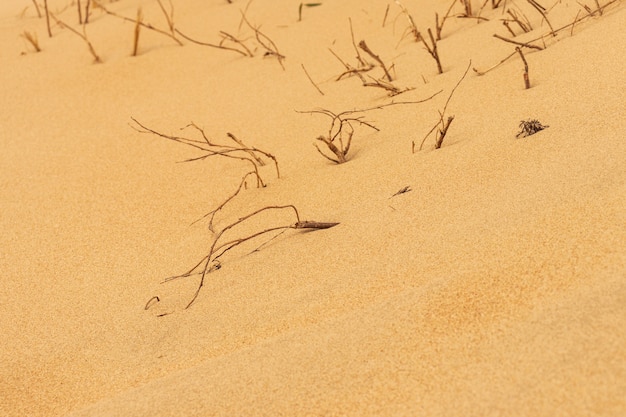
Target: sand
495,286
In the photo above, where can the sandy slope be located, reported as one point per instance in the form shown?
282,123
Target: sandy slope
496,286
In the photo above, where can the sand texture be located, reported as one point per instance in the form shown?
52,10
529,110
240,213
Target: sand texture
486,277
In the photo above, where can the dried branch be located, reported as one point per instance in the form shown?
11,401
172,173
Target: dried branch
137,30
32,39
211,261
339,136
210,149
542,11
270,47
171,34
526,79
443,125
412,26
220,46
311,79
45,4
438,24
83,36
432,49
366,48
527,45
495,66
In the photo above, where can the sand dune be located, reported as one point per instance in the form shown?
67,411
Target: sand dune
495,285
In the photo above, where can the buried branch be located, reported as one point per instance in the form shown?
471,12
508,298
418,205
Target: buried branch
339,136
219,247
442,124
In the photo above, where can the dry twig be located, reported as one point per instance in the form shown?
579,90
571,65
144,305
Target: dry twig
443,125
339,136
83,36
526,79
211,261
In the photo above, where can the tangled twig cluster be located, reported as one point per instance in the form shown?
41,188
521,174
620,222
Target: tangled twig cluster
529,127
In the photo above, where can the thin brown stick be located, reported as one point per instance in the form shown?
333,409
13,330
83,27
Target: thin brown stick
37,8
385,17
137,30
45,4
432,50
439,25
171,34
443,131
526,79
212,213
412,26
366,48
444,125
341,130
32,39
527,45
541,11
81,35
213,254
80,13
87,6
210,149
268,44
525,26
220,46
506,25
495,66
311,80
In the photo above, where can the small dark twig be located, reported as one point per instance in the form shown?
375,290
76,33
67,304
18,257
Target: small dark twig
443,124
311,79
526,79
527,45
366,48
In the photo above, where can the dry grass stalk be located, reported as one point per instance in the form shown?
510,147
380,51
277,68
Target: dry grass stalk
339,136
438,24
541,38
37,8
432,49
350,70
311,79
524,25
45,4
83,36
268,44
169,17
542,11
32,39
211,261
478,72
391,89
467,6
137,31
412,27
526,79
80,13
251,155
527,45
243,184
225,37
443,125
87,14
385,17
367,50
